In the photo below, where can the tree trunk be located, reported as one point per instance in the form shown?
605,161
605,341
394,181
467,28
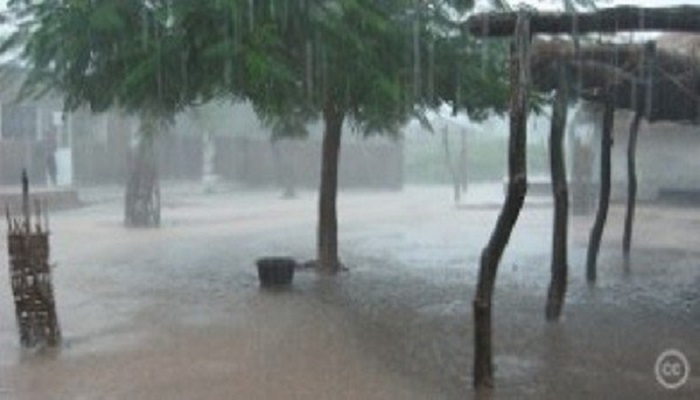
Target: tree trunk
604,196
557,287
515,197
632,183
327,217
450,167
142,200
463,161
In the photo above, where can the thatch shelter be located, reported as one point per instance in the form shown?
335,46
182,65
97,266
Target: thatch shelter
654,83
640,76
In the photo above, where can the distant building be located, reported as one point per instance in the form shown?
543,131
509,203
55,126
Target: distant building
96,148
667,159
23,126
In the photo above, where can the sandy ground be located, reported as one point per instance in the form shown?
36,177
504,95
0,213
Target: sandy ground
177,312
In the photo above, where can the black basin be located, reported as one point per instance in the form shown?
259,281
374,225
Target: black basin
276,271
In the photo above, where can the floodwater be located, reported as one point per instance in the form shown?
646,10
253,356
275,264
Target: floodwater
177,312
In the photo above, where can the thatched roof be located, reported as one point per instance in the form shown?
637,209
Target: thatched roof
672,92
669,86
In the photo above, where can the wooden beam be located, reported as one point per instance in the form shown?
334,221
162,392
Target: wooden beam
607,20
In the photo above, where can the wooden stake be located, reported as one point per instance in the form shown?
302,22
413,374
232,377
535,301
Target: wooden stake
515,197
647,75
560,191
37,208
25,202
46,215
631,183
604,197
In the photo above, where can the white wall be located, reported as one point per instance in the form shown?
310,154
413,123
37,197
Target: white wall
667,158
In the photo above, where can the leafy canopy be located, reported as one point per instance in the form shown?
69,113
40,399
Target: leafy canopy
132,54
376,62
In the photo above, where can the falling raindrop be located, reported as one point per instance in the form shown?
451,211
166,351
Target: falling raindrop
159,62
183,70
227,59
309,69
251,14
648,57
575,33
431,71
484,48
458,85
324,72
616,52
416,57
144,28
347,90
236,20
285,14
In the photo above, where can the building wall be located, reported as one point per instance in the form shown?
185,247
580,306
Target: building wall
22,130
667,158
102,146
98,148
371,163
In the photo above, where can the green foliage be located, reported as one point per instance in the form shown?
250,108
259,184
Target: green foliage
378,63
358,55
128,54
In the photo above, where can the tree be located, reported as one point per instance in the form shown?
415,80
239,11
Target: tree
135,55
365,64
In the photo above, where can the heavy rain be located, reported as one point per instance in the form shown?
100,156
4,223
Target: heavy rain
349,199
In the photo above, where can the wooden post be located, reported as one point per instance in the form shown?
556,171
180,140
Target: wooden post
517,188
604,196
631,183
25,202
557,286
647,75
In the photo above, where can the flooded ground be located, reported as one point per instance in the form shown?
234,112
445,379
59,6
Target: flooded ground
177,312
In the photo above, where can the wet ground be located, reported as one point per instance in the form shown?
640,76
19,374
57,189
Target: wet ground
177,312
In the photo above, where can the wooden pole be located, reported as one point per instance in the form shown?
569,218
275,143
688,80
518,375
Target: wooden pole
25,202
604,196
647,75
631,183
560,191
515,197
